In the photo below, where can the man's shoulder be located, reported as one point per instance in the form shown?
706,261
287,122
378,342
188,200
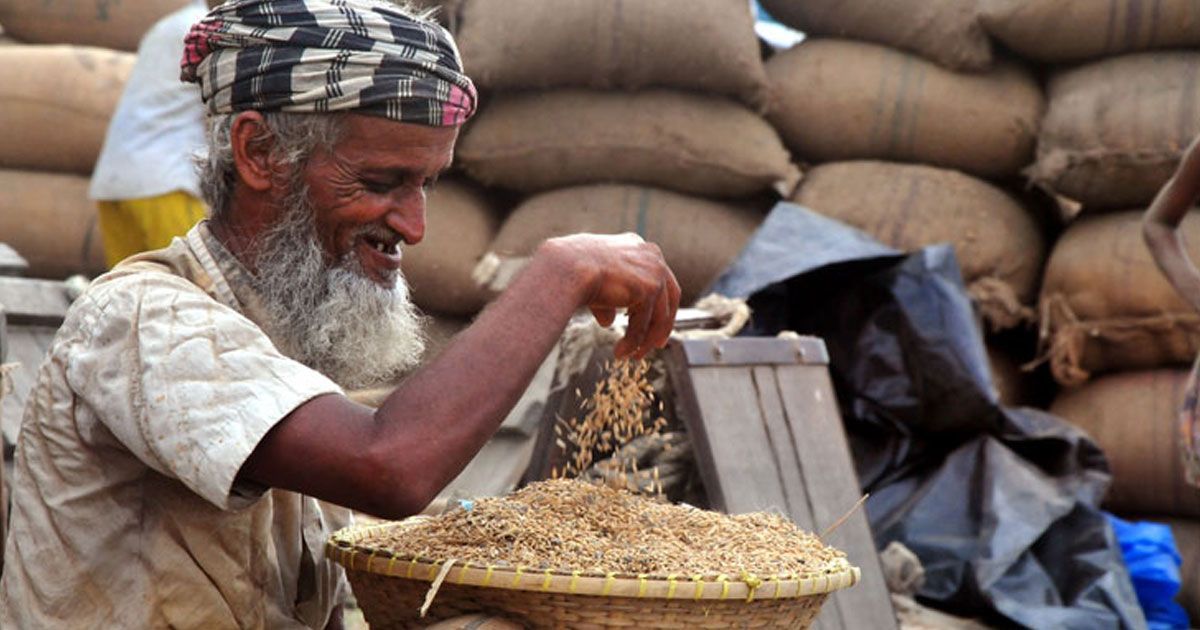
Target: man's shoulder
123,292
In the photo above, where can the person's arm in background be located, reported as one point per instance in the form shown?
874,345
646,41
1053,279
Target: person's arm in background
1160,226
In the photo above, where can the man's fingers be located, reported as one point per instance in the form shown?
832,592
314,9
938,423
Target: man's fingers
661,323
635,331
676,294
604,316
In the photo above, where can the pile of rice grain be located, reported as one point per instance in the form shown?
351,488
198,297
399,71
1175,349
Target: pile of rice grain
571,525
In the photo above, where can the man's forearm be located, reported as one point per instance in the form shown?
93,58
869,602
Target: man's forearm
393,461
434,423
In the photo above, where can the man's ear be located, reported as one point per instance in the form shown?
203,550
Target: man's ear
252,142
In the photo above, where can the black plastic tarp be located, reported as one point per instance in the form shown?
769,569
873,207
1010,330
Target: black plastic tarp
999,504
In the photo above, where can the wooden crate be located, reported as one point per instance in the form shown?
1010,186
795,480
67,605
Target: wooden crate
764,423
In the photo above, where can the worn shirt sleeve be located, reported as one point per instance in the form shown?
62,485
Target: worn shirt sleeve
187,384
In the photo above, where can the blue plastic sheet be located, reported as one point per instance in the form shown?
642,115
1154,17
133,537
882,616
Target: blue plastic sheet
1153,562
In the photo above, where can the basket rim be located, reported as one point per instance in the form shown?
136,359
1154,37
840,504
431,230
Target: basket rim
345,548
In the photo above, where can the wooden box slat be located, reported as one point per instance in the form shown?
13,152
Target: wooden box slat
33,302
768,436
11,263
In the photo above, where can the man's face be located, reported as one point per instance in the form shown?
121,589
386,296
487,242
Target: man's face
369,194
327,270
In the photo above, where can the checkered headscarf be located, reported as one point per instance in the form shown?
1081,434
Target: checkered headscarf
327,55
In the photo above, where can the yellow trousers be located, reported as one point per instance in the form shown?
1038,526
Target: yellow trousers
132,226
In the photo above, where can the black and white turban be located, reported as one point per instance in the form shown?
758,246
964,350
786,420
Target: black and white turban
327,55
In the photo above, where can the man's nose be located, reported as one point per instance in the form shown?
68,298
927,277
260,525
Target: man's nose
407,217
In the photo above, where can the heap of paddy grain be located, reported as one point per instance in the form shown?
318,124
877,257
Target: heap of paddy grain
638,117
572,526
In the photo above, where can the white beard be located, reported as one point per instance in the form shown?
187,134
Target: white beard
333,318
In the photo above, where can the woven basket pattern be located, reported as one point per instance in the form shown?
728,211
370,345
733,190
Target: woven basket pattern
391,591
390,602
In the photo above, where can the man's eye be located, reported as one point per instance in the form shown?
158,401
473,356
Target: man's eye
429,183
378,188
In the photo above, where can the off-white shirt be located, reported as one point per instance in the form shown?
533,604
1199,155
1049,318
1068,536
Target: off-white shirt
126,512
158,126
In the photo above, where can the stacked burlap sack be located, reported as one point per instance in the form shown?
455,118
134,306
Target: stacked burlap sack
62,70
917,131
55,104
622,117
1122,94
1133,417
924,82
1112,137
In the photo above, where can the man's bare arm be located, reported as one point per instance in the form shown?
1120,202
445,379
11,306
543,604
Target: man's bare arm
394,461
1160,226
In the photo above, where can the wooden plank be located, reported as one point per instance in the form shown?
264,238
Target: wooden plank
737,442
12,263
787,466
755,351
33,302
28,346
833,487
769,436
564,403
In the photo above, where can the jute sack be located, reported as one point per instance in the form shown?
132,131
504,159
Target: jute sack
1057,31
698,237
1132,417
104,23
1187,538
946,31
843,100
999,245
460,224
55,104
702,45
1106,306
50,221
697,144
1115,129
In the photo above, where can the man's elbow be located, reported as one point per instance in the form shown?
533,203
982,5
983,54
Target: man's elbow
1154,232
396,493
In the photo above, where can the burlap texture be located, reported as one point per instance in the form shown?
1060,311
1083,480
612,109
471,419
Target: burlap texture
1106,306
691,143
1132,417
55,104
1115,129
460,223
843,100
1058,31
945,31
108,24
999,245
50,221
701,45
698,237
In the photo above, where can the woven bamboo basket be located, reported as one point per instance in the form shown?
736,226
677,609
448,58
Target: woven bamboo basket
392,590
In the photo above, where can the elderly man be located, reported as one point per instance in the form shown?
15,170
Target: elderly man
190,424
